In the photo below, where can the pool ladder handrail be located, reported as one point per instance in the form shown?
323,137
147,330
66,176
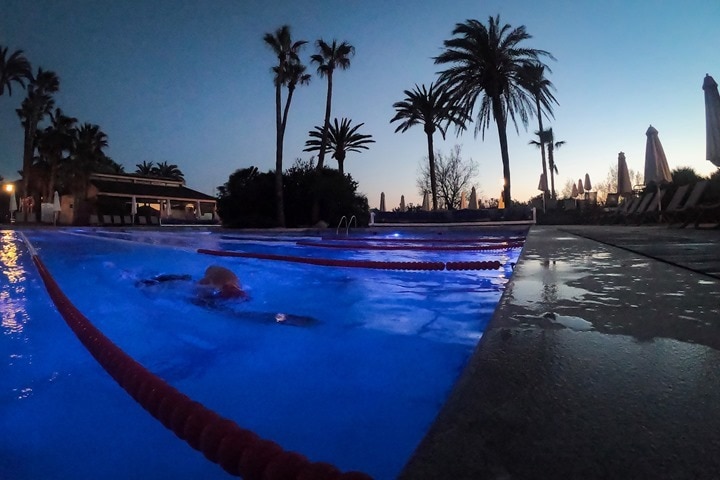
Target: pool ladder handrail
348,224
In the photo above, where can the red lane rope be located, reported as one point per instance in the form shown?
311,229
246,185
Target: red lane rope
464,241
327,262
365,246
238,451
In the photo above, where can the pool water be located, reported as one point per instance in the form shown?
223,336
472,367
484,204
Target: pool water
357,385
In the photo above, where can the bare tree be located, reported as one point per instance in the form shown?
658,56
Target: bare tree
453,174
611,180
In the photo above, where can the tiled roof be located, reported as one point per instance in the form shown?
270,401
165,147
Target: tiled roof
144,190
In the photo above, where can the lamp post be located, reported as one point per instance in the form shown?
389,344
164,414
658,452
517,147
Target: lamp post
10,189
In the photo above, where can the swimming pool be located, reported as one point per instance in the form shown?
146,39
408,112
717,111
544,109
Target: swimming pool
357,386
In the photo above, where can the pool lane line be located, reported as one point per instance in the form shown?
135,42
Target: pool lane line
238,451
424,240
365,246
328,262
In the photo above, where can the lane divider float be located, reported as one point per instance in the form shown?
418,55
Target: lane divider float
365,246
329,262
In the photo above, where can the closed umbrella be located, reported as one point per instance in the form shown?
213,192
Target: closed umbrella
543,183
13,203
587,184
623,184
473,205
574,192
712,119
382,201
426,202
56,207
463,201
581,189
656,166
402,203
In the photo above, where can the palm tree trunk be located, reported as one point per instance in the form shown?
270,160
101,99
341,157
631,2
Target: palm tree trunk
280,208
341,163
502,134
542,145
431,161
28,148
328,106
552,168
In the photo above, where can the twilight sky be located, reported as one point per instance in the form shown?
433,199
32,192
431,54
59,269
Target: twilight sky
189,82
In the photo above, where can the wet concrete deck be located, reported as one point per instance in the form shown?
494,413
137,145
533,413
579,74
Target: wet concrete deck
602,361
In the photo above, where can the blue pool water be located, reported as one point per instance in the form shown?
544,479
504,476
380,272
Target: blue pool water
358,387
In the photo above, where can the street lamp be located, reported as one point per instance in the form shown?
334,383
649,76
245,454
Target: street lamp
10,189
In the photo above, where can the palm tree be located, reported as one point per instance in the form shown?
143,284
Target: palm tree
34,108
546,137
145,168
53,141
341,139
532,77
87,156
434,110
165,170
484,64
287,55
330,57
13,69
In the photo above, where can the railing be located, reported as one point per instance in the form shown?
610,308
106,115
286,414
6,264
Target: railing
348,224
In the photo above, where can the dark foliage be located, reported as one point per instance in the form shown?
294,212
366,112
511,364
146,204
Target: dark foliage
247,200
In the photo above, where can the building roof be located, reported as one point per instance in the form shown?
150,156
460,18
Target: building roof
122,186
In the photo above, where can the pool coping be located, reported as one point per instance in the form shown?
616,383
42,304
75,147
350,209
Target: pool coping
516,413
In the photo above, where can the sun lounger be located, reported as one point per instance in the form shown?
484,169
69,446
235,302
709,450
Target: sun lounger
683,215
646,201
116,220
94,220
127,220
652,210
106,219
154,220
626,208
142,220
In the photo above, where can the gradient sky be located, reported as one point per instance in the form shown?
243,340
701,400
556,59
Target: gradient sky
190,83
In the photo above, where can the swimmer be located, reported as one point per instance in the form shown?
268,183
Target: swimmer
223,281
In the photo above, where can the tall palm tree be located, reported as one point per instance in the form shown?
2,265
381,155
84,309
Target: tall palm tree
330,57
546,137
341,139
87,156
145,168
532,77
286,52
37,104
484,64
434,110
55,140
13,69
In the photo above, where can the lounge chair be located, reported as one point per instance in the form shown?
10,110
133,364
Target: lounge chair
647,201
106,219
127,220
708,215
154,220
142,220
116,220
627,207
94,220
652,210
683,215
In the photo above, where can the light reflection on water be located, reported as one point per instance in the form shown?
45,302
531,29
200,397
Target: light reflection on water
12,289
